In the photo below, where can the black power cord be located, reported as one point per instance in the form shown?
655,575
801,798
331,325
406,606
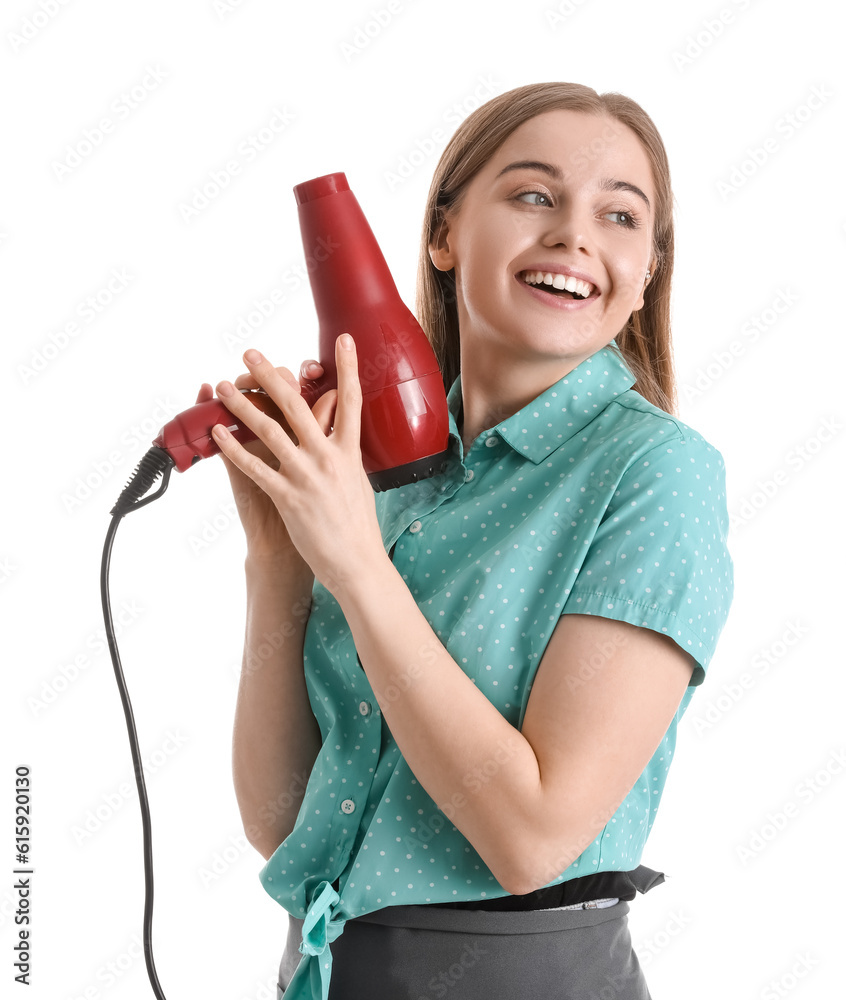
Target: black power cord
155,463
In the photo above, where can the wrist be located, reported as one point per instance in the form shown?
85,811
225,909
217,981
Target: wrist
365,587
278,571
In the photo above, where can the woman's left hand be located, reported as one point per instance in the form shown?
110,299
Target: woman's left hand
320,489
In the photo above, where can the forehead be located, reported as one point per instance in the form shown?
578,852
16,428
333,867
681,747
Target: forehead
583,146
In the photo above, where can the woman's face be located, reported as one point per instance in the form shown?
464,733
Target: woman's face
569,195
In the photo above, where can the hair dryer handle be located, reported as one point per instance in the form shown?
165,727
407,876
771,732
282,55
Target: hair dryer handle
188,438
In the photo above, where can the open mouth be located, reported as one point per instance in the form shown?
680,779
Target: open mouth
563,286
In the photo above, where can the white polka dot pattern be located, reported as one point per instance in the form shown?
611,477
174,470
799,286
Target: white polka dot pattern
589,500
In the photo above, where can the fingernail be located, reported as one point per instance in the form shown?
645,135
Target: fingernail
225,389
312,366
346,342
252,357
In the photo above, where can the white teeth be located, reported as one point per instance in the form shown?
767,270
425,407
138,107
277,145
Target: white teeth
559,281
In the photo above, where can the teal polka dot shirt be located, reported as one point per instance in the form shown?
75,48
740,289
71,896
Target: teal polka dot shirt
589,500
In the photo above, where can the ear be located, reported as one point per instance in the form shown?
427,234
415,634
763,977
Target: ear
439,249
646,282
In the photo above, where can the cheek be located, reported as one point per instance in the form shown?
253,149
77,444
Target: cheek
475,260
629,275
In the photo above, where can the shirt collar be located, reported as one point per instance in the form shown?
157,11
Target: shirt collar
568,405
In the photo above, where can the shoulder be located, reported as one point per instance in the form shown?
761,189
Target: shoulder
659,555
658,445
656,424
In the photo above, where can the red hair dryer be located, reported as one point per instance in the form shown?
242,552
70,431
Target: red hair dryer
404,419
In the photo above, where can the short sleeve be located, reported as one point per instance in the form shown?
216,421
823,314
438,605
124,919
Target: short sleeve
659,558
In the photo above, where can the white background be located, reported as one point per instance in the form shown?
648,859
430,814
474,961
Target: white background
81,411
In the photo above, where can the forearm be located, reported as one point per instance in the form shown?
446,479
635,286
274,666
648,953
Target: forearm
276,737
477,767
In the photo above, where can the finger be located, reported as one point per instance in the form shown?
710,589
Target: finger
348,411
205,394
251,465
310,370
287,397
324,410
248,381
273,434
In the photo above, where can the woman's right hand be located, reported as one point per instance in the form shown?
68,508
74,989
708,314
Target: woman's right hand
268,542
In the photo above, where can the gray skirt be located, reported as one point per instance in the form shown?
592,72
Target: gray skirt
425,952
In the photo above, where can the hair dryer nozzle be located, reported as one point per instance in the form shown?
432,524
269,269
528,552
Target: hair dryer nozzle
319,187
405,421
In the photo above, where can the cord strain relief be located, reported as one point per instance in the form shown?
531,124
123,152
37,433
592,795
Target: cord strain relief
155,463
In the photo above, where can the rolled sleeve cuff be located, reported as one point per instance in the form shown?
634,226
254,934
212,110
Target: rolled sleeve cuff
646,615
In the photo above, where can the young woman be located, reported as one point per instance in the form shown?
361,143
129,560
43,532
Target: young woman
460,698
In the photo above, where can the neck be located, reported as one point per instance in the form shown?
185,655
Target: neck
493,390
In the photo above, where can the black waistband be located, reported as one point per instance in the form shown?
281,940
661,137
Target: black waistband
601,885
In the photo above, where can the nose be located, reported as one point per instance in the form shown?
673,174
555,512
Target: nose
568,226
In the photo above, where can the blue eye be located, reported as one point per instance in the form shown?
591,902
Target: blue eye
626,219
534,194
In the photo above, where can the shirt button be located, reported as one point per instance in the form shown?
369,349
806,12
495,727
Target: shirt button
415,526
469,475
348,806
364,707
491,440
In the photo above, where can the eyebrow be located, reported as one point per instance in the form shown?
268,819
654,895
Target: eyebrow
552,171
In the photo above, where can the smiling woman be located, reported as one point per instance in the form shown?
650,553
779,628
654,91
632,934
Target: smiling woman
535,211
602,121
479,702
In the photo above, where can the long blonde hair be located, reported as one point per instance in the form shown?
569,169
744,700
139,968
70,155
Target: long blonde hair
644,342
